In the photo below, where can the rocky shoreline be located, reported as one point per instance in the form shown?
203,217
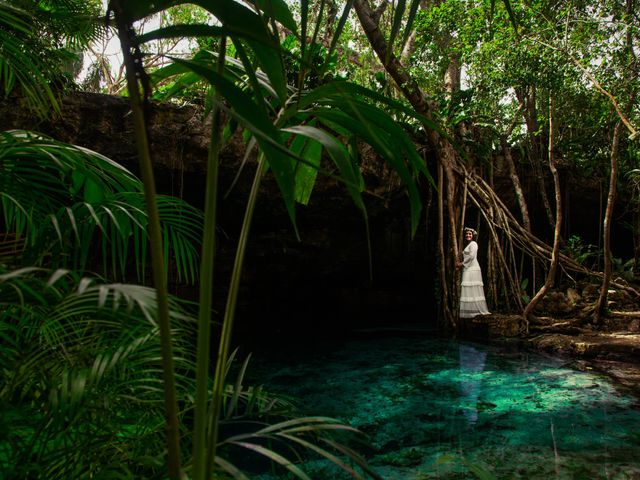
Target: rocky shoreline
614,351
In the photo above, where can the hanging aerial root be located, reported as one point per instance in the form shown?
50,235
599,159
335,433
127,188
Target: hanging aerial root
516,237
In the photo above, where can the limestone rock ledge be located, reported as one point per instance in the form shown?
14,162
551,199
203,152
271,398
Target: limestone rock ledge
615,354
614,346
491,327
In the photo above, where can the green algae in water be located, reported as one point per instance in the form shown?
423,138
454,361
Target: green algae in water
436,409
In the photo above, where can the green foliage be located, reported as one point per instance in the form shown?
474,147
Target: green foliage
291,127
79,387
340,106
510,73
582,253
319,65
624,268
79,375
523,290
70,207
40,41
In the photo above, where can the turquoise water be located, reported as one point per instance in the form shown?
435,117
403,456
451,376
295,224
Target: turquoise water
439,408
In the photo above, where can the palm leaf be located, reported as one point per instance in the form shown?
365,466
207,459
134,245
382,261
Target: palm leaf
64,198
305,432
23,67
274,457
37,40
382,133
233,16
252,116
339,154
306,174
77,348
279,11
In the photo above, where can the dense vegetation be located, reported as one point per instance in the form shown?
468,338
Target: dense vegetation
103,379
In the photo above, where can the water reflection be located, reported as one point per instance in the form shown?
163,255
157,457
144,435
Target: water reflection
472,363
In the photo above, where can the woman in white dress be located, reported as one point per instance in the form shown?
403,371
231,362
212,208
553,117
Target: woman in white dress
472,301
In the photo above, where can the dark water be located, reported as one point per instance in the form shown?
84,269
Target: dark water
439,408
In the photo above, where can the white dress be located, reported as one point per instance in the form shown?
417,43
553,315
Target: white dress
472,301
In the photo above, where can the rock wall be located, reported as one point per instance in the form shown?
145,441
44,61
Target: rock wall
318,284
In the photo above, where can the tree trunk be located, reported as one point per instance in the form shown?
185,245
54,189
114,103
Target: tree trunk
527,101
556,233
449,318
369,21
515,180
601,306
445,152
636,237
409,48
452,76
332,13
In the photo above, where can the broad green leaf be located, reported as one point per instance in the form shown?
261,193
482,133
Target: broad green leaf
133,10
372,116
347,90
92,193
271,63
306,173
279,11
182,31
349,172
234,16
255,120
381,140
239,18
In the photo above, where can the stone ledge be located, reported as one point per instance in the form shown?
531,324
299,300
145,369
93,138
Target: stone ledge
616,345
491,327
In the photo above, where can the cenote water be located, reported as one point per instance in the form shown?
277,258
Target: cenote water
436,408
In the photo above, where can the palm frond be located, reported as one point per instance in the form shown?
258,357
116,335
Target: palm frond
301,436
74,348
74,206
72,23
21,63
38,41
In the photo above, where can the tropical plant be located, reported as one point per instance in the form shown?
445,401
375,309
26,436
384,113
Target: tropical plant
40,42
290,127
82,197
80,391
580,251
79,376
81,357
69,207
